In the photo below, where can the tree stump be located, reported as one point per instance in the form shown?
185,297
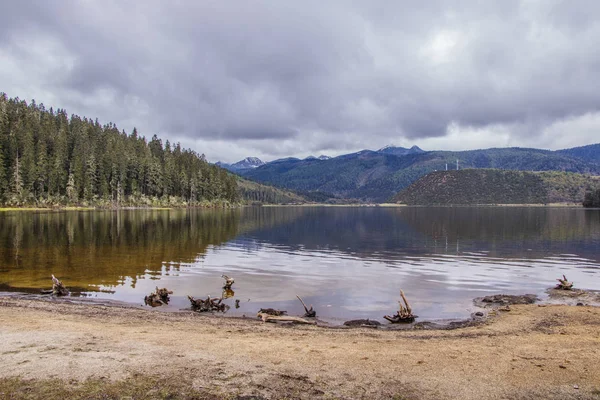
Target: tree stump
58,288
404,313
310,313
228,282
564,284
158,297
208,305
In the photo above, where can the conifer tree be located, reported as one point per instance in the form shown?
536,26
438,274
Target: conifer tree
47,155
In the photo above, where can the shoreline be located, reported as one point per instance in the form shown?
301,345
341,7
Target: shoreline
68,350
361,205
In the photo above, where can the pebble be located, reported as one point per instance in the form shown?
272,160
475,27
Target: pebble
575,386
479,314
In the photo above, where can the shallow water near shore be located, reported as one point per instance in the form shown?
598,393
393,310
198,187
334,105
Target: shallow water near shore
348,262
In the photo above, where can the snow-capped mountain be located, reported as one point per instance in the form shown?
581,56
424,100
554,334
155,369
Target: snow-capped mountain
242,165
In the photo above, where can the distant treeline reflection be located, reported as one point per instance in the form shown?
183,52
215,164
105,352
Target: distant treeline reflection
367,231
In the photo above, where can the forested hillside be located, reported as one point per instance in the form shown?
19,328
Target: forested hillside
48,158
590,153
256,193
492,186
376,176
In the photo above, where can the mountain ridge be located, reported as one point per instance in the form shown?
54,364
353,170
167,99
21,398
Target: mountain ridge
376,176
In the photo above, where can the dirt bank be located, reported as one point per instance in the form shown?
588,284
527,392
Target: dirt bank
62,350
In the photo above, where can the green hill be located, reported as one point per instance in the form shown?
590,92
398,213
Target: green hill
256,193
492,186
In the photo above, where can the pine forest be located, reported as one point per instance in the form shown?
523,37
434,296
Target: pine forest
50,159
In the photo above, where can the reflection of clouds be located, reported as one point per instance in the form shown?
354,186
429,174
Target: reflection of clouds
344,287
347,262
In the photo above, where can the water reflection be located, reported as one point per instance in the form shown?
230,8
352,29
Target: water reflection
348,262
104,247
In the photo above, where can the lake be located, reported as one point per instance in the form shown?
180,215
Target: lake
349,262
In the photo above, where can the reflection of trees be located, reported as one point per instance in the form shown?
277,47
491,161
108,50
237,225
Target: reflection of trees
103,247
368,231
348,229
502,223
253,218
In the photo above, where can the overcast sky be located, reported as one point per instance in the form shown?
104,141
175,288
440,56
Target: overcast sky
292,78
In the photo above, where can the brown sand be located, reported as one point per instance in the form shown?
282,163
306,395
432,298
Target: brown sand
529,352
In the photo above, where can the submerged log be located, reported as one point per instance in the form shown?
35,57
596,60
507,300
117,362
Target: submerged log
58,288
310,313
564,284
228,282
284,318
158,297
404,313
208,304
272,311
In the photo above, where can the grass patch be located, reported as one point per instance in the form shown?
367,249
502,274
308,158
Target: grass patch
138,387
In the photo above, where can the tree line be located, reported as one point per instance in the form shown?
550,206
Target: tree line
48,158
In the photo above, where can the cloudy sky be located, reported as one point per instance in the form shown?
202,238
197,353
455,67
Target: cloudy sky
292,78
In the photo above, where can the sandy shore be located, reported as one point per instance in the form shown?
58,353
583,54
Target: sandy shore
62,350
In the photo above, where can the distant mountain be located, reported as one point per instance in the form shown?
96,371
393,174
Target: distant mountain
400,151
287,159
492,186
590,153
320,158
242,165
376,176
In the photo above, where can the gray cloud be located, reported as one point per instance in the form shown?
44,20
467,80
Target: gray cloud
307,77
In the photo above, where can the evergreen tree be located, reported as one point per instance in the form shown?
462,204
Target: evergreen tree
45,155
71,190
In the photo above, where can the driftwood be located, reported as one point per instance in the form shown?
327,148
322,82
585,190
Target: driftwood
58,288
272,311
158,297
564,284
309,312
228,282
273,318
208,305
404,313
363,323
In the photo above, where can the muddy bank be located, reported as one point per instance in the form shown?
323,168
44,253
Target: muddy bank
76,350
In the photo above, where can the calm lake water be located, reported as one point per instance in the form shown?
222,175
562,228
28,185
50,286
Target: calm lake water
349,262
